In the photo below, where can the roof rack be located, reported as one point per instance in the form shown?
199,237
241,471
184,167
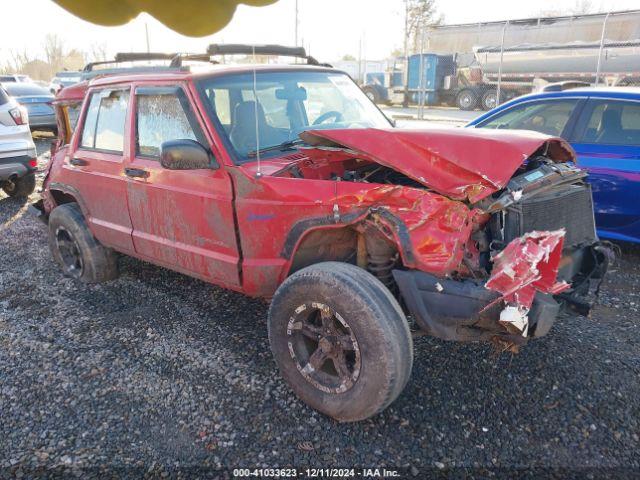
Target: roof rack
130,57
275,50
175,58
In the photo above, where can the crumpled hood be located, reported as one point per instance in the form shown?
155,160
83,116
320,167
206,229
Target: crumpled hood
462,164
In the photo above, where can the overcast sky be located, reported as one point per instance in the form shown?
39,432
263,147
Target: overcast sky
331,28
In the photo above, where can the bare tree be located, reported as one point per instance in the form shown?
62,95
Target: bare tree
16,64
420,14
583,7
580,7
98,52
53,51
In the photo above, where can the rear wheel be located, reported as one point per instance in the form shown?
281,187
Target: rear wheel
347,355
489,99
467,100
20,187
76,250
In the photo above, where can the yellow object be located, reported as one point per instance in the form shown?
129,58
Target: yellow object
195,18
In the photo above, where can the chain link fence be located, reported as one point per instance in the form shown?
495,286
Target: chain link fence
496,61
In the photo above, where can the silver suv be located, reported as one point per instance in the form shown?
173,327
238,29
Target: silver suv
18,161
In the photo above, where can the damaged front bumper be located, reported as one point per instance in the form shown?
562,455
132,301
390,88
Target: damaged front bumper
532,281
457,310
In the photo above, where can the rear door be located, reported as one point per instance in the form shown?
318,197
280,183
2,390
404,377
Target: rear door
607,141
95,168
182,219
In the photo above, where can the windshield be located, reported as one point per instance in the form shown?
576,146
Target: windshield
287,104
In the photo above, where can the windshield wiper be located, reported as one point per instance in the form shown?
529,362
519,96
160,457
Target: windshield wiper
282,147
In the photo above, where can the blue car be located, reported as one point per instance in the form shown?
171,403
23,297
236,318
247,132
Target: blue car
603,126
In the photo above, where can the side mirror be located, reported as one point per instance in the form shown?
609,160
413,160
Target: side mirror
184,154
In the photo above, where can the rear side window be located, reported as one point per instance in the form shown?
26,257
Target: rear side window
104,123
548,117
160,118
613,123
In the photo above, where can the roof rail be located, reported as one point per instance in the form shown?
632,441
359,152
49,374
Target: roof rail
275,50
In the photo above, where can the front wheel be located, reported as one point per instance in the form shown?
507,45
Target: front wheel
340,340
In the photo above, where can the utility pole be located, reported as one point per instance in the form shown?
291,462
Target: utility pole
499,89
296,29
146,33
599,65
405,101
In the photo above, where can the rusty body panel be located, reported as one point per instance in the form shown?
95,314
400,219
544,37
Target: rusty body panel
415,203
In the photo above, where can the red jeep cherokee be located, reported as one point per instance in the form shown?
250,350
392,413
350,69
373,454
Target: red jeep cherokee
286,182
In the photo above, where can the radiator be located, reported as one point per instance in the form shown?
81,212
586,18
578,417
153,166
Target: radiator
569,207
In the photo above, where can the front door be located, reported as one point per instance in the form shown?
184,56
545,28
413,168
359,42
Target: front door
607,143
182,219
96,167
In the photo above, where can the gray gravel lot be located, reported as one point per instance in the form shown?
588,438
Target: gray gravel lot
157,371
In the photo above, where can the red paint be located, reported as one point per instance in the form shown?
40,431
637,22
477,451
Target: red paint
231,227
462,164
528,264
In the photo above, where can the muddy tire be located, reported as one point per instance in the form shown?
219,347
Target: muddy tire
340,340
21,187
76,250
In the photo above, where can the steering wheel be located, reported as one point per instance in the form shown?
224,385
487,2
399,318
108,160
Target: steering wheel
336,115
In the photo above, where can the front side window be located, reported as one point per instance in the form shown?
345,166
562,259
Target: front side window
160,118
284,105
548,117
105,120
613,123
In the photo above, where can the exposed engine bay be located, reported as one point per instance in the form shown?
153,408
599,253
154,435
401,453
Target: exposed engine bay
532,246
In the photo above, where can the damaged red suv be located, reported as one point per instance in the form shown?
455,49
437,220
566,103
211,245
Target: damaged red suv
286,182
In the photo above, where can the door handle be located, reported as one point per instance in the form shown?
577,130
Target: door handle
78,162
136,173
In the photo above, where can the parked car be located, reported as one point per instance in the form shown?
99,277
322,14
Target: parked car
603,126
346,223
15,77
38,102
64,79
17,151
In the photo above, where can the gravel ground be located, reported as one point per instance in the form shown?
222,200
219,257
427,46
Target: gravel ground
157,372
